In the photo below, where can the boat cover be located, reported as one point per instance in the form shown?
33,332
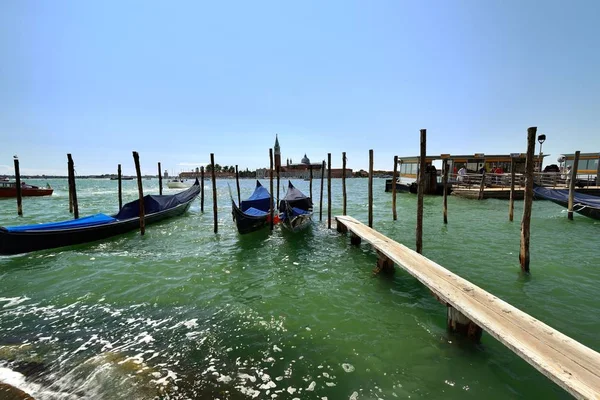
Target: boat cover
255,212
295,198
96,219
156,203
562,195
260,200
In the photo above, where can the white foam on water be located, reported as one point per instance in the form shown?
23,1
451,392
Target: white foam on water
291,390
312,386
348,367
13,301
354,396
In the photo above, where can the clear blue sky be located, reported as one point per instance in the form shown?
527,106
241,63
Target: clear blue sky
179,80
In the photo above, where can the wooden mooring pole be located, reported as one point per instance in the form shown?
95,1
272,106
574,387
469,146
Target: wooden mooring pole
136,160
69,180
328,190
272,208
18,183
344,183
511,201
201,189
370,188
526,221
72,186
572,181
321,198
394,214
310,179
481,186
159,180
445,168
277,173
420,189
237,183
214,190
120,186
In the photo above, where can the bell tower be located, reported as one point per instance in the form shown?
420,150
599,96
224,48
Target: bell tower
277,152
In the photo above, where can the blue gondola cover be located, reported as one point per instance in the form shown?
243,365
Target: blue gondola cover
259,200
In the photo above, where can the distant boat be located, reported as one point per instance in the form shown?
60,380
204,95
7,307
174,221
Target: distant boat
295,209
179,183
253,213
26,238
9,189
583,204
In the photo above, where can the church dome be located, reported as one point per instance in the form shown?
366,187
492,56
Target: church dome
305,160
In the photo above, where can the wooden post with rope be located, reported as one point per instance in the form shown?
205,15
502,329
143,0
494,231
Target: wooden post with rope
202,189
481,186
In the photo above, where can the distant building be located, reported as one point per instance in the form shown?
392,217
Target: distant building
301,170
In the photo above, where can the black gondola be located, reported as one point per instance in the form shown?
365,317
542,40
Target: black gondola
253,213
26,238
296,209
583,204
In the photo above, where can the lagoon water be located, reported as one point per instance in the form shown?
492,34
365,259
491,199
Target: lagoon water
182,313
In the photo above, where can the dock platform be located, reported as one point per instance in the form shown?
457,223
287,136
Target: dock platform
570,364
503,193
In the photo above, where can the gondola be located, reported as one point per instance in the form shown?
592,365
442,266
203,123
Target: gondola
26,238
583,204
253,213
295,209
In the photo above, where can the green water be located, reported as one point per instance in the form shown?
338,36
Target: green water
182,313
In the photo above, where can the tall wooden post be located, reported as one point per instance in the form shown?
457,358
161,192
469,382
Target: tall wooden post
120,186
321,199
344,183
482,186
159,180
214,190
72,186
394,214
370,188
598,173
420,189
277,173
18,183
445,183
272,210
526,221
69,180
310,181
573,179
511,202
136,160
328,190
202,189
237,182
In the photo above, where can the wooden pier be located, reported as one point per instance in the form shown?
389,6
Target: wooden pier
470,309
503,193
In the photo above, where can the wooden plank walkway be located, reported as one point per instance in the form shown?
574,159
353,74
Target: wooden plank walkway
571,365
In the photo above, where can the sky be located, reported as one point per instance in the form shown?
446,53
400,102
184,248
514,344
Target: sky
177,81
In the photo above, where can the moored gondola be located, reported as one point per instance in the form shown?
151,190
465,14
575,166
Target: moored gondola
253,213
295,209
583,204
26,238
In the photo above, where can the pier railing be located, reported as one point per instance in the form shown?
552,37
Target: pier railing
503,181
